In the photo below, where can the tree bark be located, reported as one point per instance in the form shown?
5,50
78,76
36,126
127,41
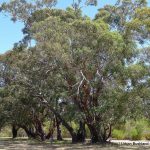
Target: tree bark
30,133
39,129
51,130
59,135
81,132
96,134
14,131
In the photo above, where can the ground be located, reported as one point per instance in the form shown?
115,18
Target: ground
24,144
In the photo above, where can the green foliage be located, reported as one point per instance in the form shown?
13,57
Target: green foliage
79,70
118,134
6,132
133,130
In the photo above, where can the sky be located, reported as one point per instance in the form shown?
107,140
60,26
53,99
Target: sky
11,33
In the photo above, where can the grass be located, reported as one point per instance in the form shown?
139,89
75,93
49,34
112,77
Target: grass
133,130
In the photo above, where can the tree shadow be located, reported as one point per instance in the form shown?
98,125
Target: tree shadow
9,144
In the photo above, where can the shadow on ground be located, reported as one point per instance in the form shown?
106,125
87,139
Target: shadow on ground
24,144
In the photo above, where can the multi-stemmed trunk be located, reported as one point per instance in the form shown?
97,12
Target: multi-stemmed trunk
29,131
85,102
39,129
99,134
62,120
35,130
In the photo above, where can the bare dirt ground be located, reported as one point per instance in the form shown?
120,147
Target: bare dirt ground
23,144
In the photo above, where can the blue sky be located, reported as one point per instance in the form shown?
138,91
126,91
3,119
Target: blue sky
11,33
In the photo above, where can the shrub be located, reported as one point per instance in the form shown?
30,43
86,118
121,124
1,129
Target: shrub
21,133
118,134
6,132
133,130
134,135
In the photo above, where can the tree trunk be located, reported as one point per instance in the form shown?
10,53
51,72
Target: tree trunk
64,122
39,129
51,130
14,131
81,132
59,135
30,133
96,135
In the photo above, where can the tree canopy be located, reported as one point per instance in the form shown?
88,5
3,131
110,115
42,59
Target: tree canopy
93,72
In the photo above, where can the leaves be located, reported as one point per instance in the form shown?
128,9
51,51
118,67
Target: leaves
80,69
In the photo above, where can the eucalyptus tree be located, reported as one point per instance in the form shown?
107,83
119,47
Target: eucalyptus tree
91,65
21,108
96,60
35,80
131,19
23,9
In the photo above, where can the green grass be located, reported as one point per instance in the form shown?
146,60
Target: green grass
133,130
